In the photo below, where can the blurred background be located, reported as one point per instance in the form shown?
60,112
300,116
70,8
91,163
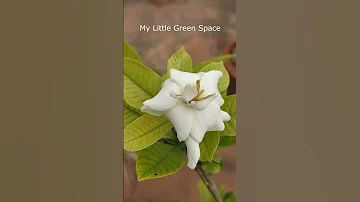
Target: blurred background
155,48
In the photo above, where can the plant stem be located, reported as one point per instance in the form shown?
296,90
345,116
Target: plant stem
205,177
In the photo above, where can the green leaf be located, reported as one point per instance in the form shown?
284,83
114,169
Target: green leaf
129,52
140,83
170,135
230,107
216,158
230,197
222,191
205,195
224,93
164,77
208,145
130,114
224,80
180,60
171,138
200,65
212,167
145,131
226,141
159,160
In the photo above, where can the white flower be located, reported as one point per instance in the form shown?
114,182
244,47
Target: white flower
191,101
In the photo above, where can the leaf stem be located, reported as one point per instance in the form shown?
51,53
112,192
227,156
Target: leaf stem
205,177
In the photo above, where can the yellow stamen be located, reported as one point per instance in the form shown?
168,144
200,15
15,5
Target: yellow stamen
203,98
198,85
198,95
197,98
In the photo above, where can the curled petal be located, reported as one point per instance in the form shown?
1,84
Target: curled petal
181,116
193,152
148,110
204,103
225,116
184,78
219,127
206,120
189,92
163,101
209,82
219,100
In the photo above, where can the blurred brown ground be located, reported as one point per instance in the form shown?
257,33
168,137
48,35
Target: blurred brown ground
155,49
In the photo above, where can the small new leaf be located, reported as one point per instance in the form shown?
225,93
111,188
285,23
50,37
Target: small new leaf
230,197
212,167
216,158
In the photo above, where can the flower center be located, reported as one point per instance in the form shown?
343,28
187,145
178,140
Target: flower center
190,95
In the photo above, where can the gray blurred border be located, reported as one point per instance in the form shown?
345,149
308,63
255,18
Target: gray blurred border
61,101
298,101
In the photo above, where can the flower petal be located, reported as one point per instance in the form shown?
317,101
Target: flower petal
189,92
206,120
209,82
220,126
163,101
225,116
148,110
193,152
184,78
219,100
204,103
181,116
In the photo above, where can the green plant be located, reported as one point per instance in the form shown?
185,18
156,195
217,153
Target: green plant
153,135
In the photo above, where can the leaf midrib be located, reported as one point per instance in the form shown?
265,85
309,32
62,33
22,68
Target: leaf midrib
182,61
150,94
158,126
134,111
158,162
